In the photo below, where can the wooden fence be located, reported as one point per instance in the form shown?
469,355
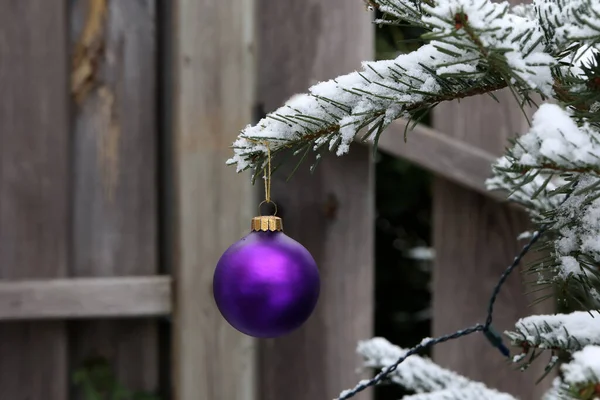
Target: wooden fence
115,203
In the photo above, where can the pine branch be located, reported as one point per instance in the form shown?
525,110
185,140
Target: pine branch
555,392
475,47
532,189
559,156
580,377
570,21
416,373
400,12
566,332
582,374
573,240
577,83
555,143
421,375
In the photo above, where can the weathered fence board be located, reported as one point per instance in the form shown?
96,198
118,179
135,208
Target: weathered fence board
34,184
213,49
113,79
332,211
475,239
85,298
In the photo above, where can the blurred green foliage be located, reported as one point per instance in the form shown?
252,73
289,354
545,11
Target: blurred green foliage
97,381
403,203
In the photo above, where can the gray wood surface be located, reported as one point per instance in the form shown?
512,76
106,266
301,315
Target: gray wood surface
455,159
213,50
475,239
113,77
330,212
34,184
85,298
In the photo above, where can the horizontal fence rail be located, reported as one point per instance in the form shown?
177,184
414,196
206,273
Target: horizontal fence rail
441,154
85,298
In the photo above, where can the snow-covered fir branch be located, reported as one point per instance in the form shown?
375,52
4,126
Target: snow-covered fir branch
416,373
399,11
423,376
532,191
582,374
474,47
530,171
580,378
555,391
569,21
556,143
569,332
577,247
560,155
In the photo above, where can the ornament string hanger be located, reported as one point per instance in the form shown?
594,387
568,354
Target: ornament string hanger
267,179
267,222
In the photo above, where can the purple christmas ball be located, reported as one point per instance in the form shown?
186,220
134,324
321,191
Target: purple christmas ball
266,284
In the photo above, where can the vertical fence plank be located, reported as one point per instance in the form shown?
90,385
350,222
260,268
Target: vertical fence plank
115,200
475,239
34,181
331,211
213,94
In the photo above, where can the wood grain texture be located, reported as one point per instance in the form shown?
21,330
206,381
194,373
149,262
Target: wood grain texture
213,49
475,240
34,181
330,212
455,159
85,298
113,81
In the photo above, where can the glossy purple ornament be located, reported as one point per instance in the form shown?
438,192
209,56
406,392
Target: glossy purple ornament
266,285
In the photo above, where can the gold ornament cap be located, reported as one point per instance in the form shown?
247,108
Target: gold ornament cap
267,223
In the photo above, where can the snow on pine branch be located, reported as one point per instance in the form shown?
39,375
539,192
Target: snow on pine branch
416,373
577,248
570,332
555,392
584,370
531,171
554,144
402,11
580,378
557,143
423,376
564,21
531,192
570,21
475,47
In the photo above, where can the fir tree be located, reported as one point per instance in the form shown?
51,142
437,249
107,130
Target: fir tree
547,49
